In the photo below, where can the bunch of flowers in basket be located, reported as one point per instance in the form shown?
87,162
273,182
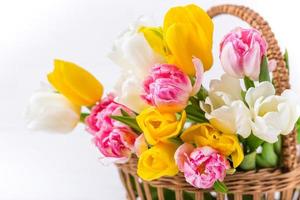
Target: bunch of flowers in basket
161,113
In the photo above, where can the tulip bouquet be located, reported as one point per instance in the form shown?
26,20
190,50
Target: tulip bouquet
161,113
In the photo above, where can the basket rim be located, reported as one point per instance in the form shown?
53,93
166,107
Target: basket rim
246,182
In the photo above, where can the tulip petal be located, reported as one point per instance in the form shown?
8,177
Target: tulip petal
154,37
181,154
52,112
185,34
190,14
78,85
251,62
238,155
261,130
157,161
234,119
199,75
57,81
264,89
227,88
199,16
230,61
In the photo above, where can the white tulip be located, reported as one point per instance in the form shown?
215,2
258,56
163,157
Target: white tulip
224,107
128,90
272,115
51,112
134,55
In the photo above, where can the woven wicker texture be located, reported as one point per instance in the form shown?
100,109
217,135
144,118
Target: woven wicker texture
256,185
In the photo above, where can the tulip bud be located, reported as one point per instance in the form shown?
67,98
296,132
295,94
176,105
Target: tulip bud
241,53
52,112
75,83
169,89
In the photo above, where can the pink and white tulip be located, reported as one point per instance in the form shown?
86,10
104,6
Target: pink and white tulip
116,142
241,53
169,89
113,139
202,166
99,118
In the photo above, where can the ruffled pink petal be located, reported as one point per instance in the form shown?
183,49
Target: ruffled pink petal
251,62
230,61
167,88
182,154
199,75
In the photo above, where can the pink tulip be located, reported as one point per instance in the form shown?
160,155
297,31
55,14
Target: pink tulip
169,89
201,166
113,139
241,53
100,115
116,142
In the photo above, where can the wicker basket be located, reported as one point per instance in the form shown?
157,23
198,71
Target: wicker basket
262,184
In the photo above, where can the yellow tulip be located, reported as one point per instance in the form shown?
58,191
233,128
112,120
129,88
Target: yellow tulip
75,83
187,31
206,135
158,161
158,126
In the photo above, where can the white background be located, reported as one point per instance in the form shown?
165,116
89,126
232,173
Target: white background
40,166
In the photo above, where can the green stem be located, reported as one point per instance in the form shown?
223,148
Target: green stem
286,60
253,142
83,116
248,83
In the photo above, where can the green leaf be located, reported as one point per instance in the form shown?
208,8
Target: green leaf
286,59
169,194
202,94
249,161
124,113
195,114
176,140
268,157
264,74
260,162
278,145
129,121
83,116
268,153
248,83
188,196
298,130
220,187
247,197
253,142
195,102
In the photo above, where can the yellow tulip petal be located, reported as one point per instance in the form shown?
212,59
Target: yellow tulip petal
78,85
83,82
154,37
175,15
56,79
184,43
188,32
158,127
193,132
206,135
191,14
237,156
198,16
158,161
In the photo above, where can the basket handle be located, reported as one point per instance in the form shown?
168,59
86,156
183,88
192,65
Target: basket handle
280,75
